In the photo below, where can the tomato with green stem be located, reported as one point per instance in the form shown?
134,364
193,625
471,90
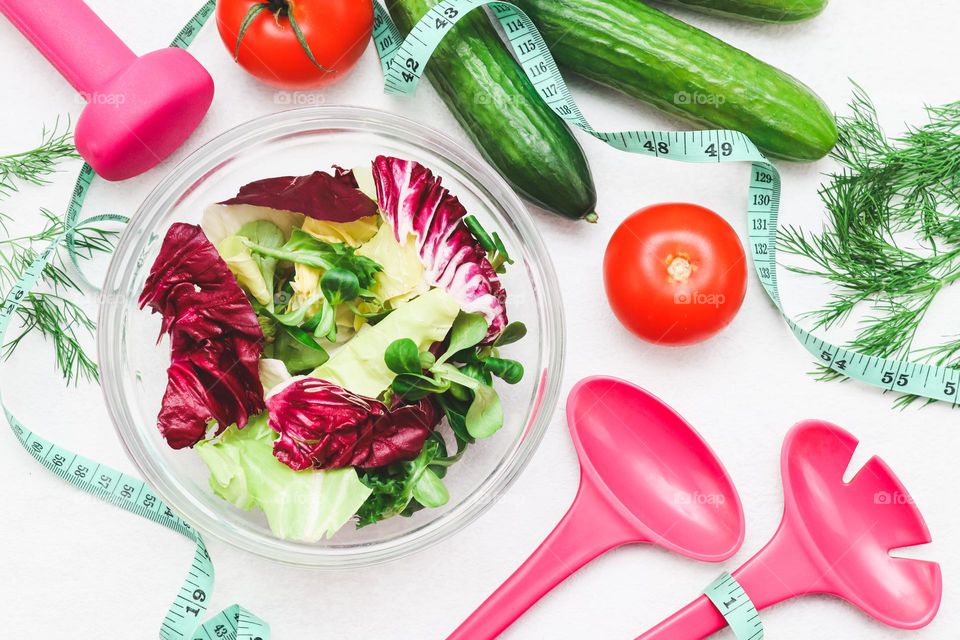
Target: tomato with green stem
675,274
295,44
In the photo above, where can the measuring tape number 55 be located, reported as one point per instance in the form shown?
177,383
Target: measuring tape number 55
404,62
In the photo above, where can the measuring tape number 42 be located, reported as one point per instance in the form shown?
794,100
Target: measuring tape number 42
404,61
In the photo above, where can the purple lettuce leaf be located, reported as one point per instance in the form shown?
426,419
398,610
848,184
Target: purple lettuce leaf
324,426
317,195
414,202
215,339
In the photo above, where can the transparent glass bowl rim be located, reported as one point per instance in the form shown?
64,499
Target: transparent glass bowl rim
206,160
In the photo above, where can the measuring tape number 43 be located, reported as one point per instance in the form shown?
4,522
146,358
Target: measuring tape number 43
404,62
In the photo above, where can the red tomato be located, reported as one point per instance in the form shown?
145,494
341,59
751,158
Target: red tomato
675,273
336,31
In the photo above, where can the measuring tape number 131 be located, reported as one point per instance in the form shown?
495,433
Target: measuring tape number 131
404,61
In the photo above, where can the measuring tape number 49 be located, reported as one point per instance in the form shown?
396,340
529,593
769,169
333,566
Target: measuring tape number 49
404,62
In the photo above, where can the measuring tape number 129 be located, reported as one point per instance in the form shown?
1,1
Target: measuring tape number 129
404,61
183,620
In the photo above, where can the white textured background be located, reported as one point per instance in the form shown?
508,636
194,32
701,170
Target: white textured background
74,568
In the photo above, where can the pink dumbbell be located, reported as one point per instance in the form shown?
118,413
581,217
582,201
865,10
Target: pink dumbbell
139,108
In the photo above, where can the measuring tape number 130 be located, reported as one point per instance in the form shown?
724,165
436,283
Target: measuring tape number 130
404,61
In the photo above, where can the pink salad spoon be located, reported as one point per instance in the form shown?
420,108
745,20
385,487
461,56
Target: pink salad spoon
645,476
835,538
139,109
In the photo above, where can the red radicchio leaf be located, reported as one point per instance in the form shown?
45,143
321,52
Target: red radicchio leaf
414,202
215,339
346,176
317,195
324,426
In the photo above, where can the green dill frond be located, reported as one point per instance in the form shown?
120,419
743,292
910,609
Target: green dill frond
48,310
891,242
34,165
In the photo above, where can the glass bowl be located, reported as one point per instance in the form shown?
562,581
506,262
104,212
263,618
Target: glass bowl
293,143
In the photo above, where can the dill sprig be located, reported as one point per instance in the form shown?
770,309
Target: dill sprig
891,241
51,312
34,165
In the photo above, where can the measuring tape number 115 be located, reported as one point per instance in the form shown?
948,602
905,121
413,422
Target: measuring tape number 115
404,62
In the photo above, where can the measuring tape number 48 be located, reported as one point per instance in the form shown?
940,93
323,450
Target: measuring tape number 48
404,61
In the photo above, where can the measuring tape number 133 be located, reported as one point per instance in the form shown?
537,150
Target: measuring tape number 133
404,62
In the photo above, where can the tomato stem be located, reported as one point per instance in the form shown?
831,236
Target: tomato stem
279,9
299,34
251,15
679,267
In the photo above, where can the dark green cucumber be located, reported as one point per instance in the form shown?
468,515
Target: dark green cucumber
500,110
649,55
757,10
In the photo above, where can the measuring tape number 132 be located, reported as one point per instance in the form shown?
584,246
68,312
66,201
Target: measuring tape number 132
404,61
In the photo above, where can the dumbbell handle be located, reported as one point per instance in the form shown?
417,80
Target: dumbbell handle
73,38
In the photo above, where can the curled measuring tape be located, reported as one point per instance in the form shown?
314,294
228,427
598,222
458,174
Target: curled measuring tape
404,62
183,620
182,40
738,610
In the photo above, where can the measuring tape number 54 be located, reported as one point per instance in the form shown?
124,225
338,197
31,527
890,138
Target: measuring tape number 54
405,59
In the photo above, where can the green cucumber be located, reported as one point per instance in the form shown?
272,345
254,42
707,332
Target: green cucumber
757,10
649,55
498,107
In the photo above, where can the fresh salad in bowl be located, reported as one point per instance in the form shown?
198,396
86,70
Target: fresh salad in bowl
334,343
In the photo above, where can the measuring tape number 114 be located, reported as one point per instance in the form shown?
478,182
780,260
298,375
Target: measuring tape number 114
404,61
183,620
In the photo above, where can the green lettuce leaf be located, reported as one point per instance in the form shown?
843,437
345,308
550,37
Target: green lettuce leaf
402,276
299,505
246,269
359,365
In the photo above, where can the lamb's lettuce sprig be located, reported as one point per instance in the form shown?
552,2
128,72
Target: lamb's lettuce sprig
461,377
295,334
404,488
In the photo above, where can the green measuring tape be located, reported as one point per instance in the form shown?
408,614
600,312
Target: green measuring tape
404,61
183,619
182,40
732,601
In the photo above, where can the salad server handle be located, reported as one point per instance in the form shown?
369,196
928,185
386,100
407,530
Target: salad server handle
778,572
587,530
